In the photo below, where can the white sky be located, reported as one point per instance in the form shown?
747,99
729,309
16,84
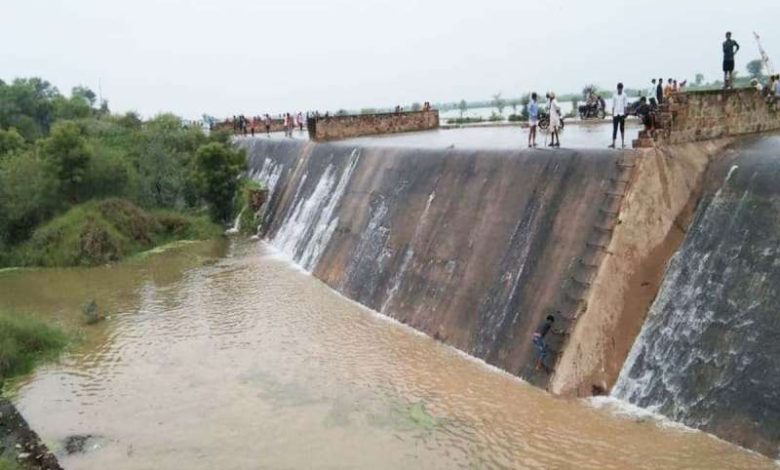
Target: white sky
254,56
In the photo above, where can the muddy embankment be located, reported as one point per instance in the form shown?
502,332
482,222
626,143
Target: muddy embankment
19,443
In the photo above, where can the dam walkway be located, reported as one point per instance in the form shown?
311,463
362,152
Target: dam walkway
576,135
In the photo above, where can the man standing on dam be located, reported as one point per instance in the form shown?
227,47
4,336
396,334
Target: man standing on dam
730,48
619,107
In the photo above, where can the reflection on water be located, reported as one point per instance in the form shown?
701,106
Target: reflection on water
242,361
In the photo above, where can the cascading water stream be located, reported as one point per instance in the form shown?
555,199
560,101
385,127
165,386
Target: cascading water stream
707,353
305,232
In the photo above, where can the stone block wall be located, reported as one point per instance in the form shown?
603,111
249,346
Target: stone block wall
343,127
712,114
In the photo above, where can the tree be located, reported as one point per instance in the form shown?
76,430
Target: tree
699,79
75,107
85,93
130,120
499,103
589,88
10,141
29,195
463,107
26,104
525,100
754,68
69,154
217,168
416,106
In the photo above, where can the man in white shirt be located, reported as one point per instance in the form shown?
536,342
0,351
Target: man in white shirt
651,93
619,107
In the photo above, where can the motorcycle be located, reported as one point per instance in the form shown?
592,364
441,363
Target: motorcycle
544,120
593,111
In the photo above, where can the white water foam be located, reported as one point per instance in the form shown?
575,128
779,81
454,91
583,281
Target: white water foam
306,231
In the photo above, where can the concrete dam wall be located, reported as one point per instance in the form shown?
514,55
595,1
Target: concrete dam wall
471,247
476,247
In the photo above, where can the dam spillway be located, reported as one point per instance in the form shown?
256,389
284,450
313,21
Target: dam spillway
707,354
475,247
471,247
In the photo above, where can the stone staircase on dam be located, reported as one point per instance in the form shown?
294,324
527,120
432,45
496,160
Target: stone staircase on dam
573,301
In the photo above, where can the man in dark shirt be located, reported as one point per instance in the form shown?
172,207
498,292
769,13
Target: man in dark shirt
730,48
539,344
645,113
659,91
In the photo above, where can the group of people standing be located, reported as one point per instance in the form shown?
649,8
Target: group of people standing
250,126
619,113
554,112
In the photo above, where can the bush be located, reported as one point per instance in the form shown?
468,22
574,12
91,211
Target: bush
100,232
29,195
25,341
466,120
216,171
516,118
248,222
92,314
69,154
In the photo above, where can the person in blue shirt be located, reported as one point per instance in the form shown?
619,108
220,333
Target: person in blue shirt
533,120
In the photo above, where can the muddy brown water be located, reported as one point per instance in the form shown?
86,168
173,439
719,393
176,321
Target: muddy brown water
227,356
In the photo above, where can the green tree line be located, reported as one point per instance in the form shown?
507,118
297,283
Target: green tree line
58,152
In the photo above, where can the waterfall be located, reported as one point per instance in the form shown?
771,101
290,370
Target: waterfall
236,223
707,353
306,230
269,174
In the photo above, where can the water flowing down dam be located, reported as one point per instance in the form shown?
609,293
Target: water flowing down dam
471,247
475,247
707,354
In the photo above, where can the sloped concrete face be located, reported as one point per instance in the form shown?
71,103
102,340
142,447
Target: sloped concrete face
663,193
707,354
470,247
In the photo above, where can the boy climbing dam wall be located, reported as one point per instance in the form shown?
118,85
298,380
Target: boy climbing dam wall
475,248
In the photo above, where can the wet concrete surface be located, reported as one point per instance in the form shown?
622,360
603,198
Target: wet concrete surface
576,135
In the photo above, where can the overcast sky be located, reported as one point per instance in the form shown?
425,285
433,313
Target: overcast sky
254,56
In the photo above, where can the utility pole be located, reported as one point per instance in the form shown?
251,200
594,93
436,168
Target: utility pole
770,70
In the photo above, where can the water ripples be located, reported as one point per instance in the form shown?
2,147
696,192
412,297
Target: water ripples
248,363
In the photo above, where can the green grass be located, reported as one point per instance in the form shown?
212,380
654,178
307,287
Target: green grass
25,341
106,231
6,464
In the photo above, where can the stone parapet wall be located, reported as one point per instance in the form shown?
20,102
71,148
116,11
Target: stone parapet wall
713,114
343,127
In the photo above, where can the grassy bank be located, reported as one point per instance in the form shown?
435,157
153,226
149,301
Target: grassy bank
25,342
99,232
6,464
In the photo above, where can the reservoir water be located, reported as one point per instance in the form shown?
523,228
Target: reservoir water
227,356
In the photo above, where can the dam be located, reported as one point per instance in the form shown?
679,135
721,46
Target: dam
475,247
390,303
